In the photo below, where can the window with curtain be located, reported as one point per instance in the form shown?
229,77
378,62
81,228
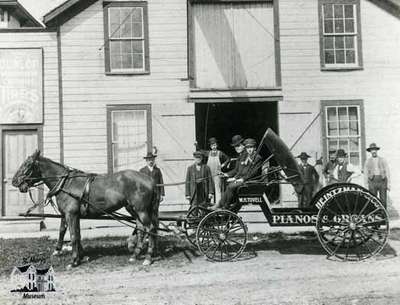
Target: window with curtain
130,138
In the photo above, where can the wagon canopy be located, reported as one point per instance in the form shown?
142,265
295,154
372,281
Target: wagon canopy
284,158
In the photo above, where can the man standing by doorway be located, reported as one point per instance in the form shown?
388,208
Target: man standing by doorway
216,159
376,174
343,171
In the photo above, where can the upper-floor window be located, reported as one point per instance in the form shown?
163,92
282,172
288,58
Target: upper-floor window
4,19
126,38
340,35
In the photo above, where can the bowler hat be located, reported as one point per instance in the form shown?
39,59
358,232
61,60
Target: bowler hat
198,154
212,141
236,140
149,156
303,156
341,153
373,146
249,142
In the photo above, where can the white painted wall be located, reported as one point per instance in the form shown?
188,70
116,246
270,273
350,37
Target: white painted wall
305,85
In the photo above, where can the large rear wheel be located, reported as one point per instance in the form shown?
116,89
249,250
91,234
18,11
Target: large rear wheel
193,218
352,224
221,236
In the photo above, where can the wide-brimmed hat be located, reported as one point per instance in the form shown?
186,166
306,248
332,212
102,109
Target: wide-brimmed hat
373,146
149,156
198,154
212,141
340,153
303,156
249,142
236,140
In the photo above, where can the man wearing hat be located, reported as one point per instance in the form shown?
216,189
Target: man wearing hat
237,144
199,183
216,160
311,179
376,174
328,169
343,171
154,172
248,167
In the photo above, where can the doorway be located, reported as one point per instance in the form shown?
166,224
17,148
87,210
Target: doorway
223,120
16,145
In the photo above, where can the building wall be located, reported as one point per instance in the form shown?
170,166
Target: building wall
47,41
305,85
87,90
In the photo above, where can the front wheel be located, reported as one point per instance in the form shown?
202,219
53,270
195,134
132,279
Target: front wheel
221,236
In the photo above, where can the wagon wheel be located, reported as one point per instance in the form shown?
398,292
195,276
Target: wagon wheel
352,225
193,218
221,236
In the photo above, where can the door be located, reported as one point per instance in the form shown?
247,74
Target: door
130,136
17,146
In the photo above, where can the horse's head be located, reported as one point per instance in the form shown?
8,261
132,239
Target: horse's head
28,173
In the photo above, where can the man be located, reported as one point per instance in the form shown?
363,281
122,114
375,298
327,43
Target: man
154,172
216,159
376,174
237,144
343,171
199,183
311,179
248,167
328,169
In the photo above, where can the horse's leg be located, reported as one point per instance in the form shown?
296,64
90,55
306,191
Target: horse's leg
75,232
132,240
139,243
152,231
61,234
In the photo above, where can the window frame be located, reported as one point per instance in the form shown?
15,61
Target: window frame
358,65
361,124
145,26
110,109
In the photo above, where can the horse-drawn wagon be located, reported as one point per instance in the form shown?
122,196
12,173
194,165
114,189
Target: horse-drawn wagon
351,223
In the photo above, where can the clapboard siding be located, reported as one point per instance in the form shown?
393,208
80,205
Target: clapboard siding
87,91
377,84
48,42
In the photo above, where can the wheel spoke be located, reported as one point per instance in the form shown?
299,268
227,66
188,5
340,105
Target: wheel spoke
366,242
215,251
339,206
356,203
364,207
235,229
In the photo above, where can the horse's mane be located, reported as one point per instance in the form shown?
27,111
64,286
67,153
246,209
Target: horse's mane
72,169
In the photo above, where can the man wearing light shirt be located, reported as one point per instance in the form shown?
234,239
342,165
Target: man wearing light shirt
376,174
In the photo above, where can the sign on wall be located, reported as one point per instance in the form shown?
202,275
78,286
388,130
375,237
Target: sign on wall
21,86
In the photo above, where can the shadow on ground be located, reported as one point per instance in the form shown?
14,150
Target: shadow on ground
112,252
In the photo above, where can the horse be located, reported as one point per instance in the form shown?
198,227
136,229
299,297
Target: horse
78,193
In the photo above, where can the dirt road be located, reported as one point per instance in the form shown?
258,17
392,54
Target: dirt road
288,272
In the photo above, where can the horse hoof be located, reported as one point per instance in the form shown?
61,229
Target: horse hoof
67,248
147,262
132,259
85,259
56,253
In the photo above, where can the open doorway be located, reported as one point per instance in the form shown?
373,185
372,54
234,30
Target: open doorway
223,120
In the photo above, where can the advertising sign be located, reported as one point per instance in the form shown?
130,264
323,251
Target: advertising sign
21,86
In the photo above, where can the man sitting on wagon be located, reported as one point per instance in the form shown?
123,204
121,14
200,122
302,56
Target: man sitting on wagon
248,166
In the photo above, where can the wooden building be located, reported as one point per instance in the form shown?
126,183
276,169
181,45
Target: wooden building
122,77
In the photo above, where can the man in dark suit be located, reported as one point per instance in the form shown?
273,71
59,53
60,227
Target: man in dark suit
248,166
199,182
311,179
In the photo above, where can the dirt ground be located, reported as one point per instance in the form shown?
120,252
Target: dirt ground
288,269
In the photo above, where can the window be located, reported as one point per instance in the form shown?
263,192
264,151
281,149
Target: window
4,19
129,136
126,38
340,38
343,129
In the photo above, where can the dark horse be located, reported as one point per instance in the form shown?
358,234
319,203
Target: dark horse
107,193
